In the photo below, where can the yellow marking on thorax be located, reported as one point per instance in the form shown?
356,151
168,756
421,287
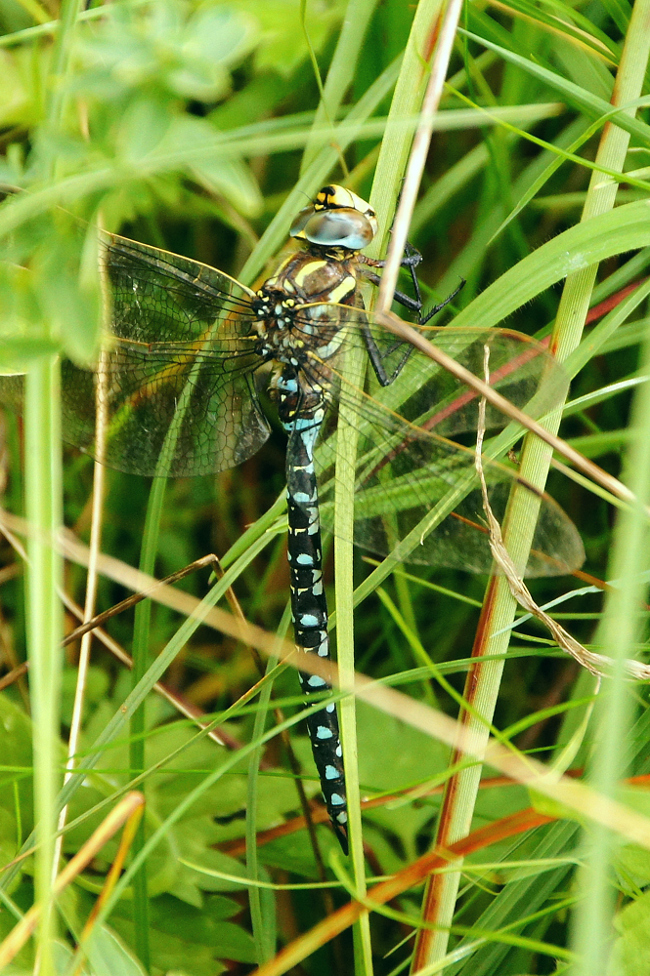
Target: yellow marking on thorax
272,281
342,290
309,268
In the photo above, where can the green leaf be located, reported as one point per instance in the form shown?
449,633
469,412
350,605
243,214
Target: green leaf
631,952
615,232
108,955
284,45
231,179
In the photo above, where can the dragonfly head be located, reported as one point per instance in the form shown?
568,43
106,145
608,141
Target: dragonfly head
336,218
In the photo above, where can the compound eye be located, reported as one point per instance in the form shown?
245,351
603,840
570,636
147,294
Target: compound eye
337,228
300,221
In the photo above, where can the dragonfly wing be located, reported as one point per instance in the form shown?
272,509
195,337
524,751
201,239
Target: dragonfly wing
178,373
417,498
175,375
520,369
164,417
411,480
459,540
157,296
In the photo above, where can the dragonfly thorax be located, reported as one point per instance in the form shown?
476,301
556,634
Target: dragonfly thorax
308,278
275,307
275,313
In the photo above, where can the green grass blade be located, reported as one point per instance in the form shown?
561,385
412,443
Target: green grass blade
45,625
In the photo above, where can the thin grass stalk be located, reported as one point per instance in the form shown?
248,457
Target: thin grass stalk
618,634
44,510
43,481
438,43
141,630
349,46
260,922
405,104
390,168
86,642
483,680
346,447
99,472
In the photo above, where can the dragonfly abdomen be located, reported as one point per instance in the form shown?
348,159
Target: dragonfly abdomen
302,417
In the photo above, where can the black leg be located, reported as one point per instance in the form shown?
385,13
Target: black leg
424,318
377,359
412,304
411,260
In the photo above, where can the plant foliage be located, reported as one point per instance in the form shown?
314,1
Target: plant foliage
201,128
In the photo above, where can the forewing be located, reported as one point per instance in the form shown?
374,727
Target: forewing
158,296
174,377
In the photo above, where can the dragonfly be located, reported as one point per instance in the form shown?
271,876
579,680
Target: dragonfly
181,378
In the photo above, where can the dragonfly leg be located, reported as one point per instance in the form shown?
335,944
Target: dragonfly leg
377,359
424,318
410,260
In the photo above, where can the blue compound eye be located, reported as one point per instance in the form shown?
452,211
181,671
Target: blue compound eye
334,228
300,221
